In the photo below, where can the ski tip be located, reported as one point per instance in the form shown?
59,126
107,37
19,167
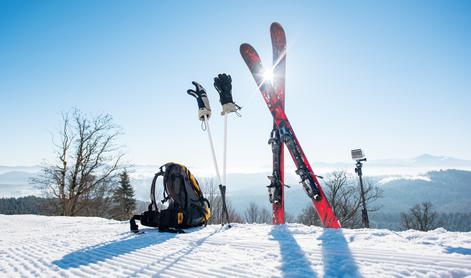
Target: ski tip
277,28
278,36
275,25
248,52
244,46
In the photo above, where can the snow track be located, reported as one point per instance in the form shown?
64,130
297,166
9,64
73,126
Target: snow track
39,246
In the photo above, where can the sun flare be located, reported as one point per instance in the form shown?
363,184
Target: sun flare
268,75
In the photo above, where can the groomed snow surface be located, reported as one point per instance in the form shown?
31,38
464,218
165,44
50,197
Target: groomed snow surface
40,246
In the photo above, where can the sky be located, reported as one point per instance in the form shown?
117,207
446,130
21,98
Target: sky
390,77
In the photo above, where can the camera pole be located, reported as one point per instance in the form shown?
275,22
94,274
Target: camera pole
364,212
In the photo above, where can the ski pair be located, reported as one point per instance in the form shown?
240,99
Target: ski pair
273,94
223,84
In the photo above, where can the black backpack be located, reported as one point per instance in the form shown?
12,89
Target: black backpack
187,206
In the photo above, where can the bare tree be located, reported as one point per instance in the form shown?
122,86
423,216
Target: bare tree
344,197
421,217
234,216
289,218
265,216
255,214
88,162
309,216
252,213
212,193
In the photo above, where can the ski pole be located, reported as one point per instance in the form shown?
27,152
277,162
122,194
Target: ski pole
224,161
213,153
223,84
204,112
224,175
222,187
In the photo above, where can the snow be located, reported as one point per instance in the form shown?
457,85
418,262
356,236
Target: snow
41,246
412,178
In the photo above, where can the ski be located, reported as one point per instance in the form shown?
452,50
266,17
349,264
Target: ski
308,179
276,187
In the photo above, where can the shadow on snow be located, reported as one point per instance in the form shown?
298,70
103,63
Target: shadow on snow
180,254
102,252
458,250
294,261
338,260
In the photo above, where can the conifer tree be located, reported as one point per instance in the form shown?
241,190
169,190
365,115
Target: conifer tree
123,198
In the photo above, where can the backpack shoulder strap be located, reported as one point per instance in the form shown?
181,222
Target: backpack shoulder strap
153,203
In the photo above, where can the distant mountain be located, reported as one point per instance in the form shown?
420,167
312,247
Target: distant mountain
405,182
420,163
448,190
15,183
15,177
27,169
425,160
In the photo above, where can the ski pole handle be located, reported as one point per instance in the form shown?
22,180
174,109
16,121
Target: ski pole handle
204,110
223,84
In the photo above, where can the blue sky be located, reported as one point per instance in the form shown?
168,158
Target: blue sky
392,77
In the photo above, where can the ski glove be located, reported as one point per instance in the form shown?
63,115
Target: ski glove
223,84
202,98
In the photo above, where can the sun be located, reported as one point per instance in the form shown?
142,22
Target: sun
268,75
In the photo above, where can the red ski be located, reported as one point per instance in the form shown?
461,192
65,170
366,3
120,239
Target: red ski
276,187
285,132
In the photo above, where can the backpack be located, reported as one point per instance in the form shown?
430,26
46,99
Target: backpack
187,206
